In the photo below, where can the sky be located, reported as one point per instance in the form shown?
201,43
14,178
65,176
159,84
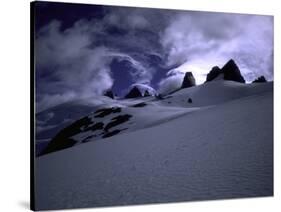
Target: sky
82,50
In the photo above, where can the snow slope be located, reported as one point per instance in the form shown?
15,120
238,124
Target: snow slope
216,92
52,120
220,146
56,117
123,115
49,122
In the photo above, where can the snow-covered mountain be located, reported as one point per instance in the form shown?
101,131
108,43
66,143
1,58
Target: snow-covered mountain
144,150
209,141
112,117
188,80
229,71
49,122
140,90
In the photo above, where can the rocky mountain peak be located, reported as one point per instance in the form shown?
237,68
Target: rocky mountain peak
229,71
134,93
260,79
188,80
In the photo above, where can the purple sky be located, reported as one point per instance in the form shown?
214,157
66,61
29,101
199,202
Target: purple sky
82,50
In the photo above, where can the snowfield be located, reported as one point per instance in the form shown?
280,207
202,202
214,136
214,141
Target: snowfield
218,146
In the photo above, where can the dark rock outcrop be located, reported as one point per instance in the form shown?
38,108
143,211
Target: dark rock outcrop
117,120
232,72
109,94
229,71
159,96
63,139
112,133
260,79
142,104
134,93
146,93
214,73
100,113
140,90
188,80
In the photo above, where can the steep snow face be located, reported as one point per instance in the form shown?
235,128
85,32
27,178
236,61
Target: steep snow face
221,150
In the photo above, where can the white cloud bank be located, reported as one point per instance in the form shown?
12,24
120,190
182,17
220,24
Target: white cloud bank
198,41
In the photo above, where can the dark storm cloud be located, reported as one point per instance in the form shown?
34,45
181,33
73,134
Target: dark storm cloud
73,59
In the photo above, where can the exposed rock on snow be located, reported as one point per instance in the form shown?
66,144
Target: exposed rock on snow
214,73
140,90
232,72
188,80
109,94
116,121
63,139
229,71
114,132
146,93
134,93
106,111
136,114
260,79
54,119
142,104
66,137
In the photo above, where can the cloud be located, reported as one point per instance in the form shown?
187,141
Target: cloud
200,40
171,82
131,19
67,67
48,100
75,61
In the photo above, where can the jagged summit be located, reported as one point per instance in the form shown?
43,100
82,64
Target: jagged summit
109,94
140,90
260,79
214,73
229,71
134,93
232,72
188,80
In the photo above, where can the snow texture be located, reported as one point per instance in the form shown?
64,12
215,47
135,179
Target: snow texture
220,145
